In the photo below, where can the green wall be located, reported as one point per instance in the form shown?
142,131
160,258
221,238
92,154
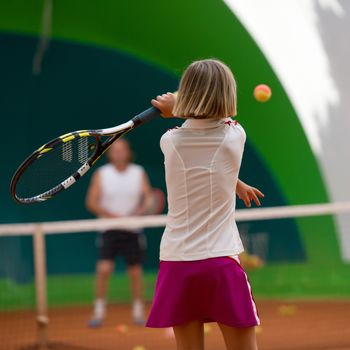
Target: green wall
82,87
107,59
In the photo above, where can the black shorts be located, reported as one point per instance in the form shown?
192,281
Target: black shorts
131,246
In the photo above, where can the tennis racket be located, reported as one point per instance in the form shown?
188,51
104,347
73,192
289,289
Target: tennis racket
60,163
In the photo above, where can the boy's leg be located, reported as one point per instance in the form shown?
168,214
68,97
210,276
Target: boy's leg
135,273
104,269
134,252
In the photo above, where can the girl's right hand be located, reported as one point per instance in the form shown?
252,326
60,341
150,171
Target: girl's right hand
165,103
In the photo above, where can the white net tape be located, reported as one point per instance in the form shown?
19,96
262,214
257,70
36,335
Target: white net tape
160,220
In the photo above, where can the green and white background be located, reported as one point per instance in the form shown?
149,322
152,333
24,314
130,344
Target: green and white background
107,59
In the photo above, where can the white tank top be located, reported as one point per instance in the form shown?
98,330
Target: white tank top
121,190
202,162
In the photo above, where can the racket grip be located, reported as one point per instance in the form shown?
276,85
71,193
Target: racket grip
146,116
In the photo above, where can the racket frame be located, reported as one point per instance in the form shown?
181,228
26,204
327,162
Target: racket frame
114,132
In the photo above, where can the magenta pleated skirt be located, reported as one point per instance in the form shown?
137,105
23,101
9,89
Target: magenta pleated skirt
210,290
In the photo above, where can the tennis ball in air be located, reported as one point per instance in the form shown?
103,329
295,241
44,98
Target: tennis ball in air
138,347
262,93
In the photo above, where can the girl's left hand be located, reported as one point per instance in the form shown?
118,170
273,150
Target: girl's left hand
247,193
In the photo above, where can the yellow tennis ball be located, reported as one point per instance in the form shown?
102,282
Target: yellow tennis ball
262,93
139,347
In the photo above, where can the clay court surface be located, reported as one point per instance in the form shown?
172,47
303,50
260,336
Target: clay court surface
285,326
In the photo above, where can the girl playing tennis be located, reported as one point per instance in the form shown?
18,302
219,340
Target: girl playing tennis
200,278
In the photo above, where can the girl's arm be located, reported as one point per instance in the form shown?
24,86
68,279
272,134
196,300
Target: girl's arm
246,193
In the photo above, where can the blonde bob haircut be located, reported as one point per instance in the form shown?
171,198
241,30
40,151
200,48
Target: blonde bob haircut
207,90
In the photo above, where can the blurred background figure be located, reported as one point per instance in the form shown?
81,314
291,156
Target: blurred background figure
119,188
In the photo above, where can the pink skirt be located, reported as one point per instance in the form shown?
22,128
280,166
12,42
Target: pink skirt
210,290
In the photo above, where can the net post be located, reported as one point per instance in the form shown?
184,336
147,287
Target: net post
40,286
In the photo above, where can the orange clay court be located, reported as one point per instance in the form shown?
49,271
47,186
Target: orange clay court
302,325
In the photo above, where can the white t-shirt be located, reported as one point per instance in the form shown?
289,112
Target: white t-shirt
202,162
121,191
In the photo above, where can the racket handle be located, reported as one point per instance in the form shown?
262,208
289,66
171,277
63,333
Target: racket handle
146,116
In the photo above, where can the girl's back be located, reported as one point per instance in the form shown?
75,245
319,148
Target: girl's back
202,161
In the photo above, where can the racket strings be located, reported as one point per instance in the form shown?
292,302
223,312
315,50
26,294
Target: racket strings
54,166
67,151
83,150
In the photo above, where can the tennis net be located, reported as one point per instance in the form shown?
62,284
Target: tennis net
47,276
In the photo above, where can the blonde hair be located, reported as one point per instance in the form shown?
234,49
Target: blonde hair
207,90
